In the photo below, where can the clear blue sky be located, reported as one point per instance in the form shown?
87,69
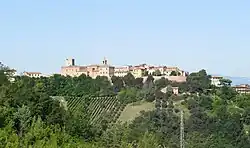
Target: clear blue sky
37,35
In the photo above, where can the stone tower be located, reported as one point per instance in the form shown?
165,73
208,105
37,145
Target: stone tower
105,61
70,62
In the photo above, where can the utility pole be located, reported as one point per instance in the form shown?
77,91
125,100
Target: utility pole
161,118
182,141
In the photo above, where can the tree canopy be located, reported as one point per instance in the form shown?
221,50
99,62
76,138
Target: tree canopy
31,116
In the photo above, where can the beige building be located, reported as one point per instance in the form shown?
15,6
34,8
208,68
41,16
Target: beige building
73,71
122,71
168,70
70,69
164,70
138,71
242,89
105,69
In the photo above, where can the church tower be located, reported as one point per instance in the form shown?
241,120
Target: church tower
105,61
70,62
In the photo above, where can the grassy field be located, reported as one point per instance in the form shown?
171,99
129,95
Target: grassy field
133,110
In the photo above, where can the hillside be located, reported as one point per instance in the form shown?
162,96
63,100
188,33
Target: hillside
133,110
99,108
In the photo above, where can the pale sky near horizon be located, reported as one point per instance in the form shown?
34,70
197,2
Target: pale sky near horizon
38,35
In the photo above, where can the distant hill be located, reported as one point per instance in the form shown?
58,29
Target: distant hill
237,80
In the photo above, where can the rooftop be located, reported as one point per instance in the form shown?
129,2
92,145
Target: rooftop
33,72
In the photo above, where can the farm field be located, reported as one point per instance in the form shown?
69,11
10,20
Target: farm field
133,110
98,107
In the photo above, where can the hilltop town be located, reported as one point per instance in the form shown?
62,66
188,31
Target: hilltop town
104,69
171,73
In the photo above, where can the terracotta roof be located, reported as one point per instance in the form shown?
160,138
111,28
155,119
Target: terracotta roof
75,66
125,67
242,86
33,72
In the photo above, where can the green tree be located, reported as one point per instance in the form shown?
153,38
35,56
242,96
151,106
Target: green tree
150,79
148,140
117,82
157,73
225,82
79,125
198,82
139,83
128,95
174,73
22,119
161,83
129,80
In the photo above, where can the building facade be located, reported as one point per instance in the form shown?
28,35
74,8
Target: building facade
70,69
104,69
141,70
242,89
122,71
215,80
138,71
33,74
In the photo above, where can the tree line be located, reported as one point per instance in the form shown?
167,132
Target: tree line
213,117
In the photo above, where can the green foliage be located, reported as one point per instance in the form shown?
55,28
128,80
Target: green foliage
58,85
175,73
129,80
30,117
157,73
198,82
39,135
22,119
96,107
161,83
79,125
127,95
148,90
215,120
117,82
225,82
150,79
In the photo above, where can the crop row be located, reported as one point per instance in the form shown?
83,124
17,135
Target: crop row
98,107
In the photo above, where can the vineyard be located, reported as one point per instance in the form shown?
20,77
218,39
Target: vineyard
99,108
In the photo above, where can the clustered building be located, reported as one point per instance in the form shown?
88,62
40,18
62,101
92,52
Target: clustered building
242,89
143,69
104,69
138,71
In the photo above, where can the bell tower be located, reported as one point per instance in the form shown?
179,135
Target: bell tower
70,62
105,61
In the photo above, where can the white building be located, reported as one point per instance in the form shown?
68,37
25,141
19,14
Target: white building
33,74
215,80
